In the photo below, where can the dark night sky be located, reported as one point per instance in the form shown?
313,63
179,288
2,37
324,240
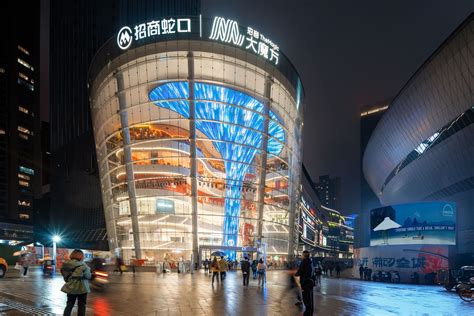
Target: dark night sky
349,54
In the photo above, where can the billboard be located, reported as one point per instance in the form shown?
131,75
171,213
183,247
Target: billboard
423,259
431,223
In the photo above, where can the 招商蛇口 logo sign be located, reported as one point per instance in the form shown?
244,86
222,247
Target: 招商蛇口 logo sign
221,30
151,29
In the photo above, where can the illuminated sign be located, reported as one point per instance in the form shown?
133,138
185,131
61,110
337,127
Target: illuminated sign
222,30
304,203
152,29
418,223
228,31
164,206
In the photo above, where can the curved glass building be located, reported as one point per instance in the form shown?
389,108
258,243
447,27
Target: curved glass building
198,135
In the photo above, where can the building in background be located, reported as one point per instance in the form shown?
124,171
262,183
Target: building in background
370,115
77,30
329,191
19,119
197,126
422,149
323,231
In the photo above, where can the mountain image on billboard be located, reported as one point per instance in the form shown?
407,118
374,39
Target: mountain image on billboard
431,223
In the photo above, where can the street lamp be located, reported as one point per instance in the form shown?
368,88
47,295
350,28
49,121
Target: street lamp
56,239
42,249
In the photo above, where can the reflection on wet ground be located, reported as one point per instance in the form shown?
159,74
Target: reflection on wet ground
186,294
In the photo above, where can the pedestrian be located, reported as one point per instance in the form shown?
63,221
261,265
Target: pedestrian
206,265
133,262
254,269
318,272
338,270
330,270
76,275
262,269
296,286
305,272
223,266
119,265
245,267
361,272
215,270
209,265
25,264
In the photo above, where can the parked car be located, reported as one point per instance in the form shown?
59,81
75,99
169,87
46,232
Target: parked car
3,267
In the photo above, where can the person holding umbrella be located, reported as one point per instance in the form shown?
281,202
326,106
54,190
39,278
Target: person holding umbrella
23,262
215,270
223,266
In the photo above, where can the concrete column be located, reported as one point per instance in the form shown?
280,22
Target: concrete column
263,156
192,157
132,197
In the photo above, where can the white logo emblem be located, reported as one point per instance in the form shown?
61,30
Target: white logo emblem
448,210
124,37
226,31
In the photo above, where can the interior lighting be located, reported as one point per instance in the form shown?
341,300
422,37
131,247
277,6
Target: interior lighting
236,132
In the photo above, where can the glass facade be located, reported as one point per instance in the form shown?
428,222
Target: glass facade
197,149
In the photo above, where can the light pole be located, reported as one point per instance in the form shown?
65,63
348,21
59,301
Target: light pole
56,239
42,249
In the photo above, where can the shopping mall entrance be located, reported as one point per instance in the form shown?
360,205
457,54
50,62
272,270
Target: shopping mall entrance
250,252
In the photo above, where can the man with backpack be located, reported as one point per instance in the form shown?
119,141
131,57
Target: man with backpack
305,272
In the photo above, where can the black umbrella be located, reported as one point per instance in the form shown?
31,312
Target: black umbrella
218,254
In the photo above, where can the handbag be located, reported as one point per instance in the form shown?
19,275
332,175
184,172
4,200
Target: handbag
18,266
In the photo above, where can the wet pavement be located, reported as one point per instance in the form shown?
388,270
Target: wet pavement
149,293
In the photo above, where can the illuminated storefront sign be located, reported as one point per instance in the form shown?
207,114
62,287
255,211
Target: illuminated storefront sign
151,29
222,30
228,31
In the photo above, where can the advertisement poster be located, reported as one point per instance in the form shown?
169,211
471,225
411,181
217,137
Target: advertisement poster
247,235
432,223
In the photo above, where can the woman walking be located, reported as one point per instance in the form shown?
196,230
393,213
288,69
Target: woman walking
254,269
215,270
261,268
76,275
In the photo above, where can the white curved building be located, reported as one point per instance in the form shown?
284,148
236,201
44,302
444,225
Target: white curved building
423,147
198,140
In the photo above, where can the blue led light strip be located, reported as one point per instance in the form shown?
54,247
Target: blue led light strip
231,125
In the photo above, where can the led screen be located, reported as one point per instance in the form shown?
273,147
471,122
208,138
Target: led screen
235,122
164,206
419,223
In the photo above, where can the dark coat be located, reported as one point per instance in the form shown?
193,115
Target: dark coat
245,266
305,272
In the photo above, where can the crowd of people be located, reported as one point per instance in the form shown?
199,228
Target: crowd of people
365,273
219,268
